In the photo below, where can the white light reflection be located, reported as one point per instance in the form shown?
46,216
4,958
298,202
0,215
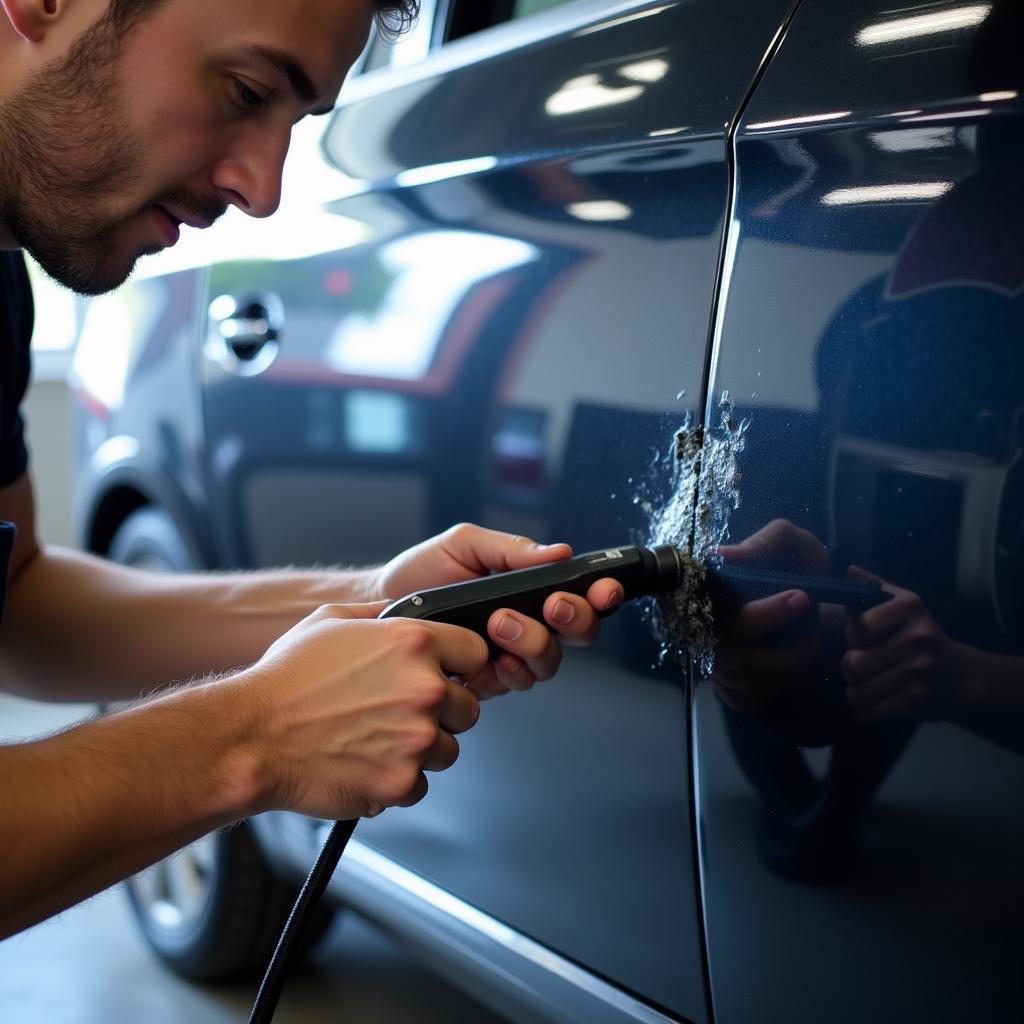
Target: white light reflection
666,131
996,97
600,210
431,273
908,191
924,24
653,70
587,92
442,172
951,114
909,140
623,20
785,122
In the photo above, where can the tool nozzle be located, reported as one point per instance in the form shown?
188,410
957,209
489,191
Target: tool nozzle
669,567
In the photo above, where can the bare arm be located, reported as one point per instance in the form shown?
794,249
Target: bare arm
89,806
78,628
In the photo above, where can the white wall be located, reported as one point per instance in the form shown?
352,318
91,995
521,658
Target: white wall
48,414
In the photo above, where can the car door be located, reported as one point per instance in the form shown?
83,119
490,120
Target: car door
512,333
860,792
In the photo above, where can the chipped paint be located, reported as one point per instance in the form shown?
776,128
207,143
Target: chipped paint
705,490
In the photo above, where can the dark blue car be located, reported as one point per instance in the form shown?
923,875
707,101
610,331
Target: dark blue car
617,272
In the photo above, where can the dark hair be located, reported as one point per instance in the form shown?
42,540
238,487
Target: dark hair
393,17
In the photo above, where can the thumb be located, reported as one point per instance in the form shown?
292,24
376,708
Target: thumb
493,551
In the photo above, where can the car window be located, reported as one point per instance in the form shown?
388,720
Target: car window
468,16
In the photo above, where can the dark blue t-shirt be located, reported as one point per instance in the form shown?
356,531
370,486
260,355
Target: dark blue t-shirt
16,317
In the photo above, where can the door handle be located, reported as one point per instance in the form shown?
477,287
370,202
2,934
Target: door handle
244,331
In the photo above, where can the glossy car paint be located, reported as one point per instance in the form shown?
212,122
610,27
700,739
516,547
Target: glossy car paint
870,332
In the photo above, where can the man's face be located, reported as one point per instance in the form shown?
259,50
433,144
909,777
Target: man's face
104,150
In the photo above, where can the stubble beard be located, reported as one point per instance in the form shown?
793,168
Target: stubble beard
66,156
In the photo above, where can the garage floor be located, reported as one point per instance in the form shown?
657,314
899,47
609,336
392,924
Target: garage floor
89,965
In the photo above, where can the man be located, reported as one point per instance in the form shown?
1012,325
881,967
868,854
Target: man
120,119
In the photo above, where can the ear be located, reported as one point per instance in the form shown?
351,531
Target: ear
31,19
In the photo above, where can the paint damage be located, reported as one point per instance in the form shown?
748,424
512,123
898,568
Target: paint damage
705,490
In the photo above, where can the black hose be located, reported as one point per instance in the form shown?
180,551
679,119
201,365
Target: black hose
298,920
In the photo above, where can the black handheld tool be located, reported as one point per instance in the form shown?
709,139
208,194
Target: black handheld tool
641,571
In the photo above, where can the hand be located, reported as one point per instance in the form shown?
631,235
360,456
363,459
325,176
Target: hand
351,710
774,644
901,662
465,552
782,546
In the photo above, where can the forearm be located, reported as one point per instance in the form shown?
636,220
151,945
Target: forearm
79,628
85,808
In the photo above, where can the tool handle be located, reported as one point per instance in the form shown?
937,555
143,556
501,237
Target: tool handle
472,603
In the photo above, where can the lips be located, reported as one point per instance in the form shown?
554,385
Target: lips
168,223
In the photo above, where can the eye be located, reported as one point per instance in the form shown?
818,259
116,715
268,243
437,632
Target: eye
248,98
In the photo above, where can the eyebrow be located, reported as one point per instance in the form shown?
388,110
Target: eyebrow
302,85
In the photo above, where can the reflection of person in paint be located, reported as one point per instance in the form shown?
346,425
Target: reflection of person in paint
792,675
895,660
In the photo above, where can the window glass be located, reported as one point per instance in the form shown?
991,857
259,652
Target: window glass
469,16
524,8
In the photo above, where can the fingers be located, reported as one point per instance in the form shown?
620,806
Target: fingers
485,551
780,543
883,688
860,665
576,619
459,651
416,794
882,621
443,754
458,710
486,684
758,620
527,639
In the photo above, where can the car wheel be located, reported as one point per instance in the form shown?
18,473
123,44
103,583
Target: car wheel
149,539
213,911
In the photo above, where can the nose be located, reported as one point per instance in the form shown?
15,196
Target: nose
249,177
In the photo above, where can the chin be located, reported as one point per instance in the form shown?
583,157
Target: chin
92,277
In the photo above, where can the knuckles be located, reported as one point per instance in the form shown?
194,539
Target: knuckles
413,638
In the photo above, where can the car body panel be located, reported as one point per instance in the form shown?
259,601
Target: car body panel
870,337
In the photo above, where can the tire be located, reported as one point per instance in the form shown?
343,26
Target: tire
214,910
149,539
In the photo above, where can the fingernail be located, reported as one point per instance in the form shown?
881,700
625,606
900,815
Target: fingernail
562,613
798,601
509,628
611,603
